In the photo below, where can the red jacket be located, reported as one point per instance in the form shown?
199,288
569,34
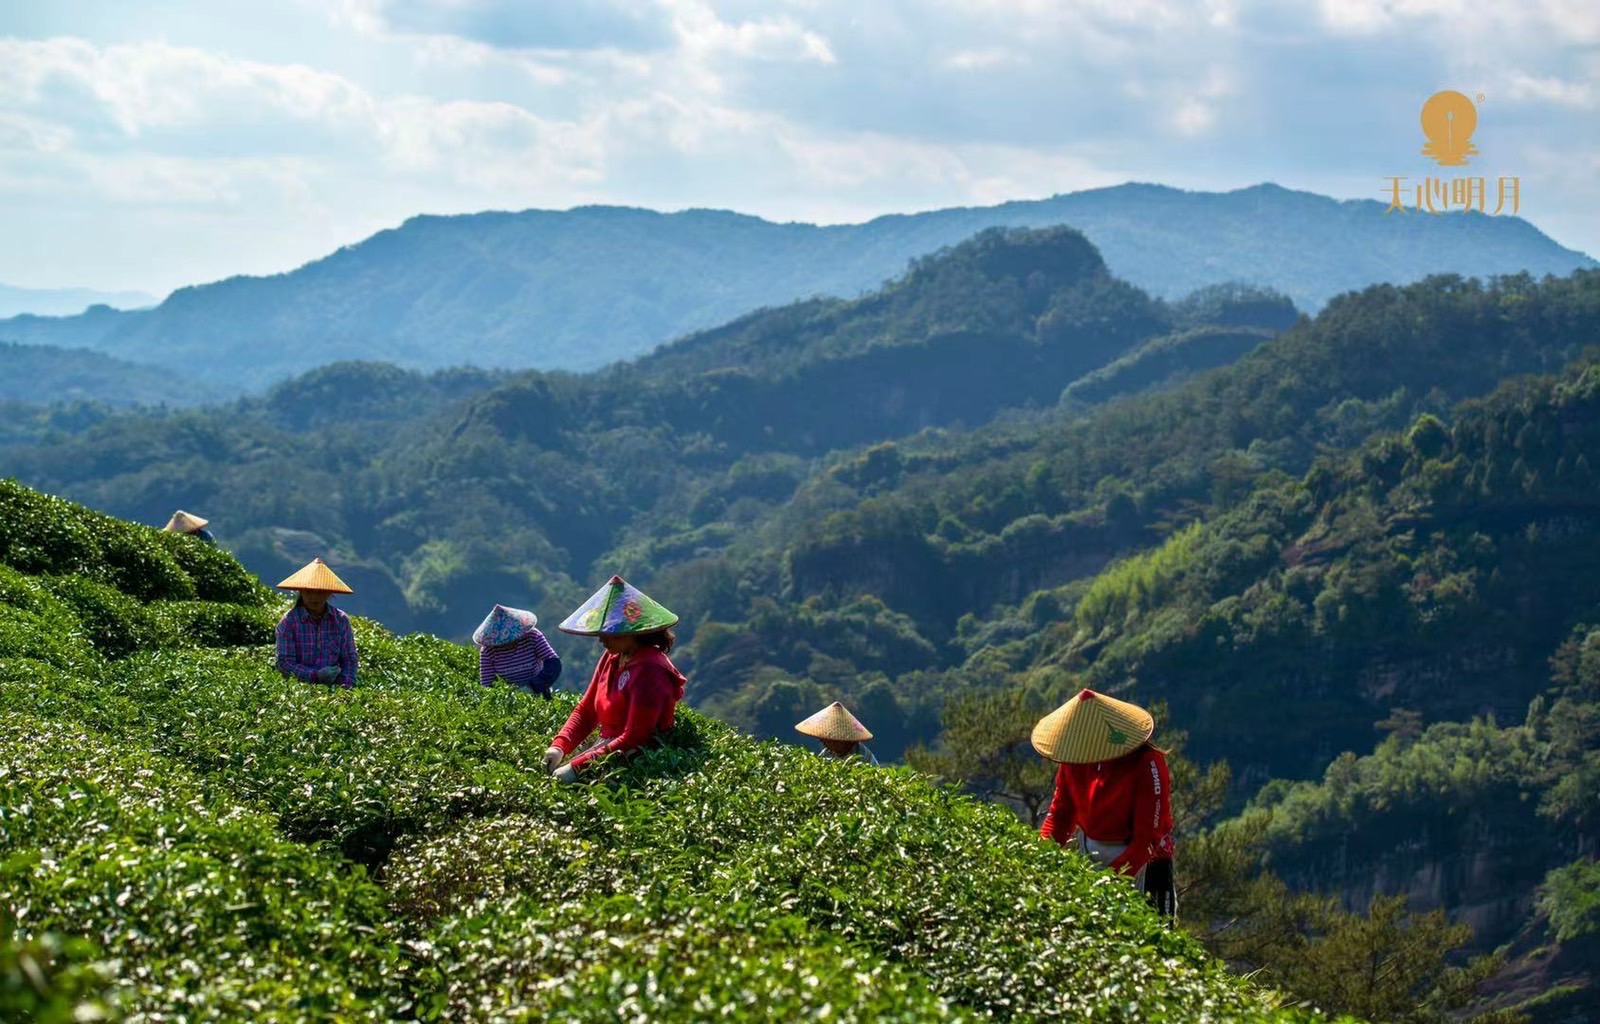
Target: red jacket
1127,800
629,704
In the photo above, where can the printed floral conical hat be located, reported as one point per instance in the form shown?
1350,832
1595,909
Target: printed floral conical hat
1092,727
618,608
315,576
185,522
503,625
834,722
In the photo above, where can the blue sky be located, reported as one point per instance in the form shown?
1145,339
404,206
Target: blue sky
154,144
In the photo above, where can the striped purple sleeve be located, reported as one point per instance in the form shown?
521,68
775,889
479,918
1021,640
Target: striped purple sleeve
541,646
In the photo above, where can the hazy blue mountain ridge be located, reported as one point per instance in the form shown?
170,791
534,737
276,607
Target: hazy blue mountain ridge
16,301
586,287
31,373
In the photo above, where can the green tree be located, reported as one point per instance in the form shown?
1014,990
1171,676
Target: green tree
1387,965
988,747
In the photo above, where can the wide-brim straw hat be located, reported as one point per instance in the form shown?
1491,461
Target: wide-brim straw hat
618,609
834,722
503,625
185,522
314,575
1092,727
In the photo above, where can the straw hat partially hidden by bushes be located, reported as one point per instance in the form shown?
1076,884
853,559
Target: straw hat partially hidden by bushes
185,522
841,733
835,722
1092,727
315,575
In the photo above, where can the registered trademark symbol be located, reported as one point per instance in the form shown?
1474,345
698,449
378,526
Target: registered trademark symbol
1481,97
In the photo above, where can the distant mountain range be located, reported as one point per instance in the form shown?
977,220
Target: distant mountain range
28,372
579,289
65,301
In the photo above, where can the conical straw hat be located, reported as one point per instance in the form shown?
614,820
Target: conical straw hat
315,576
503,625
185,522
1092,727
618,608
834,723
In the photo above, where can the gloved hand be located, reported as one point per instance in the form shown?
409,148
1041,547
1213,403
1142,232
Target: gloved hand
566,773
326,674
552,757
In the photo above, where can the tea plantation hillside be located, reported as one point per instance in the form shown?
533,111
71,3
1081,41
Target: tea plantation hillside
184,835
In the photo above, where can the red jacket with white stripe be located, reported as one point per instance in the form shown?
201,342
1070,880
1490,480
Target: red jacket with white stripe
1124,801
629,704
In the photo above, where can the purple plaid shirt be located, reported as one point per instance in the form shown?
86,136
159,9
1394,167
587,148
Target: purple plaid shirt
306,644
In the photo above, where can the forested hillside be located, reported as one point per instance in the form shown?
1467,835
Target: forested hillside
939,549
579,289
1434,570
43,373
186,834
435,504
1493,819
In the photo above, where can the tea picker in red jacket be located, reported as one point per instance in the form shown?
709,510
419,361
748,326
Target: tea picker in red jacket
1113,793
635,687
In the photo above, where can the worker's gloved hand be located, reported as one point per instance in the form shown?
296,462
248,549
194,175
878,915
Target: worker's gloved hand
326,674
552,757
566,773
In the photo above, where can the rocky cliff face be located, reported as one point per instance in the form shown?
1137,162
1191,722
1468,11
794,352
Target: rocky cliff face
1483,865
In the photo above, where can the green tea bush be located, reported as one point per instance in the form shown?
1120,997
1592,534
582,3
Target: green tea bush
684,960
54,639
51,979
212,623
215,574
44,534
75,694
203,911
116,624
31,594
337,765
992,919
995,920
412,662
495,858
41,534
140,566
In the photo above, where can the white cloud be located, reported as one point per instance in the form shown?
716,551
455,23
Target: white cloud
1578,95
19,133
702,33
1191,117
984,59
154,85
